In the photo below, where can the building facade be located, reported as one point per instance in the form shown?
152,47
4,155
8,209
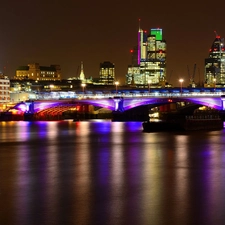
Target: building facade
4,89
148,60
36,72
215,64
107,73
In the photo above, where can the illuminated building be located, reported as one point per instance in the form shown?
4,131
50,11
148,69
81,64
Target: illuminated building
82,77
107,73
4,89
215,64
36,72
141,53
148,60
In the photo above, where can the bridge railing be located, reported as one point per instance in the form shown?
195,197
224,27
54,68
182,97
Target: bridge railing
65,95
169,92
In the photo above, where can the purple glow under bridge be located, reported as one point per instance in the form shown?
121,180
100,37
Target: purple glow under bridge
122,104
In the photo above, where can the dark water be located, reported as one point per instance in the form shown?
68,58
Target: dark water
109,173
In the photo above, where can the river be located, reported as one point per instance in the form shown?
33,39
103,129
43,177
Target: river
109,173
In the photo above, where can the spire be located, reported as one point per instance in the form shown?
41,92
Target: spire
139,24
82,77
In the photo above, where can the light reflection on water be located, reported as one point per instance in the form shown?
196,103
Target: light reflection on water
109,173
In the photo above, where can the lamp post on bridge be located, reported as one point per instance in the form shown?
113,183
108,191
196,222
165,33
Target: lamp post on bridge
83,85
116,83
214,84
51,88
181,82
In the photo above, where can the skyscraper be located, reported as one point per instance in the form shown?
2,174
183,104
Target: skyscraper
215,64
151,59
142,38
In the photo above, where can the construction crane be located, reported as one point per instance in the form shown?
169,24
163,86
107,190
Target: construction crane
191,77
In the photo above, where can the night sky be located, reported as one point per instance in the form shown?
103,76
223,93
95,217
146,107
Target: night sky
70,31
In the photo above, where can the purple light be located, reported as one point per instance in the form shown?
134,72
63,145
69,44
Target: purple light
22,107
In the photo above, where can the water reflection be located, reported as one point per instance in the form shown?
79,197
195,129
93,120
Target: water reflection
109,173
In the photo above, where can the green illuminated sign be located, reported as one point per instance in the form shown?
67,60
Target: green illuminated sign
157,33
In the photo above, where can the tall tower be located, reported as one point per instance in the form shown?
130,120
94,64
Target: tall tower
140,41
142,38
153,68
156,54
215,63
82,77
150,58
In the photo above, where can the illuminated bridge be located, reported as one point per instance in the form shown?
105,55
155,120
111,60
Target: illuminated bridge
123,100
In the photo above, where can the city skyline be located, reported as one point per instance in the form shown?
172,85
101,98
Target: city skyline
67,33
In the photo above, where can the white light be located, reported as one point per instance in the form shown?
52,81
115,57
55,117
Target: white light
181,80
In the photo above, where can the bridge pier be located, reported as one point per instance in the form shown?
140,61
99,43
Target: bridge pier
222,112
118,104
29,114
223,102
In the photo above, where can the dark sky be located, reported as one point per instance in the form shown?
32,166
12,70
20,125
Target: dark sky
70,31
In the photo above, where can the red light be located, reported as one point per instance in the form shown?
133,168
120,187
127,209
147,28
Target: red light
131,51
210,49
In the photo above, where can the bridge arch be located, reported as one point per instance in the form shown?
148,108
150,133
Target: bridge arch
215,103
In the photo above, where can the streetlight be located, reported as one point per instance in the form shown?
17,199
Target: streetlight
149,84
181,81
116,83
214,82
83,86
51,87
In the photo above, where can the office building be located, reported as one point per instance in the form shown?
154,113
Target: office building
36,72
4,89
148,60
107,73
215,64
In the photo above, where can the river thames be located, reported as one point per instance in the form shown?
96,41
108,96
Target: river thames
109,173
